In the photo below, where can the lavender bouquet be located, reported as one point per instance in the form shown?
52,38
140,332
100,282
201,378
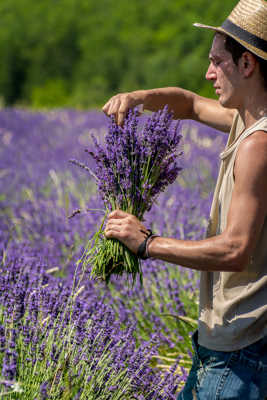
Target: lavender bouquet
131,169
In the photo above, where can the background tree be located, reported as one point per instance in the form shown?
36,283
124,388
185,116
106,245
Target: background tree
80,52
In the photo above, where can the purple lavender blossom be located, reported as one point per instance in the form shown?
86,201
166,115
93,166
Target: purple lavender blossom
132,168
10,357
36,236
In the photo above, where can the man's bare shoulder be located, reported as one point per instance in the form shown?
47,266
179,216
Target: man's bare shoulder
255,145
251,161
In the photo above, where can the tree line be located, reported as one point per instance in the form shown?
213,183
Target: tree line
77,53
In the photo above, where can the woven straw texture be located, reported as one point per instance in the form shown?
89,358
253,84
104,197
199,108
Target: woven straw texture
251,15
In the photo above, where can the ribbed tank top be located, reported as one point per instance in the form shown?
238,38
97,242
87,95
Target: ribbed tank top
233,309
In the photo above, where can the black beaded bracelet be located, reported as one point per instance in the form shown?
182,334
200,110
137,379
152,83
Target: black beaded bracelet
141,252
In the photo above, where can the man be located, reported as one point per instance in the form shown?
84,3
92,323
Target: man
230,360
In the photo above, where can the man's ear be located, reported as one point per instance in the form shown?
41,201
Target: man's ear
247,64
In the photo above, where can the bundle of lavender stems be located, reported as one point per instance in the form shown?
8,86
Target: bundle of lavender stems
131,169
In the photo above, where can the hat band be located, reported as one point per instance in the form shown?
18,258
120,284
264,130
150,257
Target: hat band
248,37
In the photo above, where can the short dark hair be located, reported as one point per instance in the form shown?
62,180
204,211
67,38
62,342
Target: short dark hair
236,49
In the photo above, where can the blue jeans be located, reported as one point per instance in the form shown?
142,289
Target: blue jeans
219,375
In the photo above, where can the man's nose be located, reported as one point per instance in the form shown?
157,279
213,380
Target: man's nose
211,74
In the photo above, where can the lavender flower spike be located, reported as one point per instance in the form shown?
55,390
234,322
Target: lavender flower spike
131,169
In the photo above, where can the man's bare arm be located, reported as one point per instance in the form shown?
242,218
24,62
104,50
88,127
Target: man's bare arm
229,251
184,103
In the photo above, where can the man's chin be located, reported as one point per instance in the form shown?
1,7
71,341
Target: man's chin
224,103
221,100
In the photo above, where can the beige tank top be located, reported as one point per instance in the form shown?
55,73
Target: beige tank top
233,309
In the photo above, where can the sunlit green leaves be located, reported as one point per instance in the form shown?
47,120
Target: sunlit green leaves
81,52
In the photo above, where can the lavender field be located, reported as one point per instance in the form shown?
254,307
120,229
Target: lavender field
62,334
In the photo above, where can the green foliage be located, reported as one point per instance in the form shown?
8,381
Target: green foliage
51,94
78,53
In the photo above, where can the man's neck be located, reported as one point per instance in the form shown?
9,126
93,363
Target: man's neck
254,109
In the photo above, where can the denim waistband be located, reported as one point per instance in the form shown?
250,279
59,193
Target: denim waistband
258,347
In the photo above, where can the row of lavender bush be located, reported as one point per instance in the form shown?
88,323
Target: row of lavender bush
62,335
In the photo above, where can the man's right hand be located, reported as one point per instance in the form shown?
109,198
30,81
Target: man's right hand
119,105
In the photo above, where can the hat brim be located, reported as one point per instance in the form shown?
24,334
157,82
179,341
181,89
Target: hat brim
214,28
253,49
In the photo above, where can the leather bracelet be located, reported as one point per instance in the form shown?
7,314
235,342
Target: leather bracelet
141,252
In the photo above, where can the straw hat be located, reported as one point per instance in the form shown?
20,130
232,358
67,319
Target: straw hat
247,24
